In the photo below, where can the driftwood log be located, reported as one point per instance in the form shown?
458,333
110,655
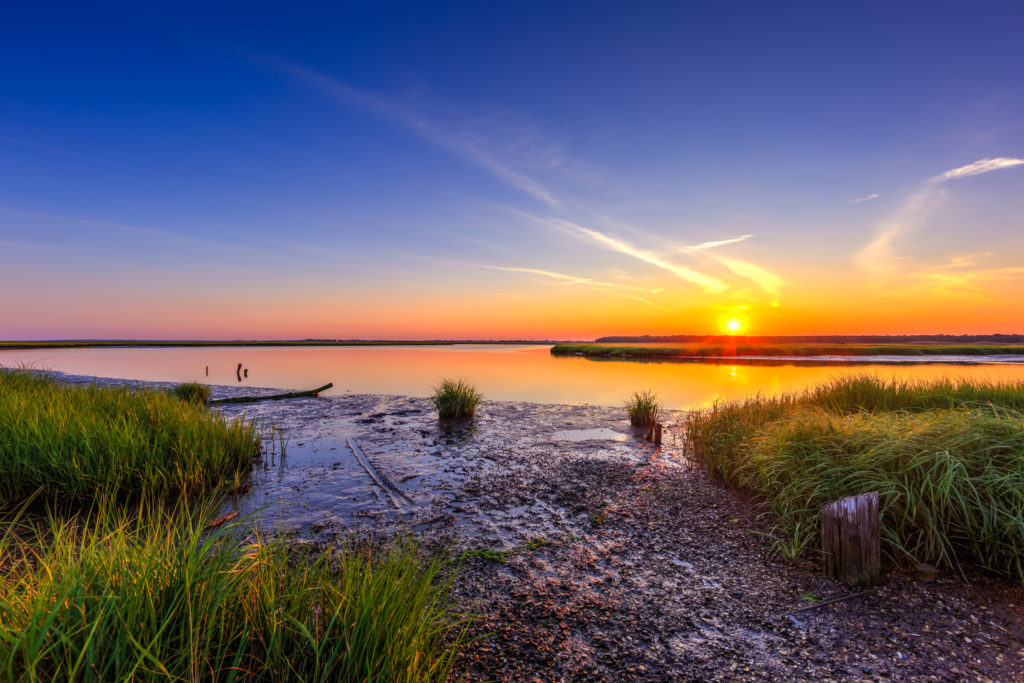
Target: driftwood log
275,397
851,540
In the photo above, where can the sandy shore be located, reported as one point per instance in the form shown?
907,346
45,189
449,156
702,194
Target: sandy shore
620,561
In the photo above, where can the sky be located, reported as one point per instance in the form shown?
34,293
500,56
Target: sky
510,170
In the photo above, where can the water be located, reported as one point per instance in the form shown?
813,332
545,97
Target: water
501,372
375,454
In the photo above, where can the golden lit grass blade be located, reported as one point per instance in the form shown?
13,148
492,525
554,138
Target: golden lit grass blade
78,443
111,595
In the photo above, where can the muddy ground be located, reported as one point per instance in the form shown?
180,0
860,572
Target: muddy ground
600,557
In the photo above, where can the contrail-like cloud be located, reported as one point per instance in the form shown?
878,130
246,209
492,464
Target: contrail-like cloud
608,287
765,279
866,198
716,243
880,253
977,168
706,282
167,235
565,279
462,138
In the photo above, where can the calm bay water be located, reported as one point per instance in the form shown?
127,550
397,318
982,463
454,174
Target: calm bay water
501,372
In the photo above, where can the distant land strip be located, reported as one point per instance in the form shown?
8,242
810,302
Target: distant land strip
734,348
817,339
92,343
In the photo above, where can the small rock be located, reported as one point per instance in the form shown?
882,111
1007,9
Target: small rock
926,572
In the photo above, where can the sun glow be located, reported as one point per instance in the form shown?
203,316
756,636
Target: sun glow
733,325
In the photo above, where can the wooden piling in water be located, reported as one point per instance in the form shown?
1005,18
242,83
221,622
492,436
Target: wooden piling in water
851,540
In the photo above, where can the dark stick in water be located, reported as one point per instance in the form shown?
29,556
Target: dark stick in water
274,397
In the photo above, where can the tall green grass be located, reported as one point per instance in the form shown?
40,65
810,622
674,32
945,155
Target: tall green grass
455,399
191,391
642,408
77,443
152,596
947,458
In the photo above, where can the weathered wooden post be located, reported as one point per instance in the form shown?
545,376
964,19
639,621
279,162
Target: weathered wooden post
851,540
653,434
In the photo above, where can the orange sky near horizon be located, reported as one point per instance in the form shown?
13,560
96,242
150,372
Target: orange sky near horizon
532,311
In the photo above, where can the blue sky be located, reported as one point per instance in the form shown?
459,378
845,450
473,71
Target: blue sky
516,169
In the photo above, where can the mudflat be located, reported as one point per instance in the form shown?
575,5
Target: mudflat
590,554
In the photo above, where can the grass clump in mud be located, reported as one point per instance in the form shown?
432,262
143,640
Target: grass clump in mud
499,556
155,595
946,457
192,391
455,399
78,443
643,408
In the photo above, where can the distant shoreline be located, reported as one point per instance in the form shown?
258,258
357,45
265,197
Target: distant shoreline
738,349
131,343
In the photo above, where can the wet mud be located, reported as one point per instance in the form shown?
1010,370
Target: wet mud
593,555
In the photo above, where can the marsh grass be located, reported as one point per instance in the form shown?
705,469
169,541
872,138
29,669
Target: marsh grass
192,391
79,443
947,458
455,399
745,348
153,595
642,408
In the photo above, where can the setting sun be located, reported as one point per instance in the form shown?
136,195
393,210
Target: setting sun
733,325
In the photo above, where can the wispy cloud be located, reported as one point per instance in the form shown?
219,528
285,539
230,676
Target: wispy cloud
165,235
64,247
706,282
505,148
768,281
964,276
866,198
881,255
977,168
714,244
563,279
4,140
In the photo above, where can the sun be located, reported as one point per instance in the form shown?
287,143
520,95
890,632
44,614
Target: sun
733,325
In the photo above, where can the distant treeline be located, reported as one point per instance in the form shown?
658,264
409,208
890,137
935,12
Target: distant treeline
822,339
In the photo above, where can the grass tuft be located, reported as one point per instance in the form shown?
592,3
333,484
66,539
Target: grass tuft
643,408
192,391
79,443
455,399
946,457
150,595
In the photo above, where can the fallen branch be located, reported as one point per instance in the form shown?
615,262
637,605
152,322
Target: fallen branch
829,601
394,494
274,397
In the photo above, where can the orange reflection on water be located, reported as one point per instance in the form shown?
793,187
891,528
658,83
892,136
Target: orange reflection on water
501,372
